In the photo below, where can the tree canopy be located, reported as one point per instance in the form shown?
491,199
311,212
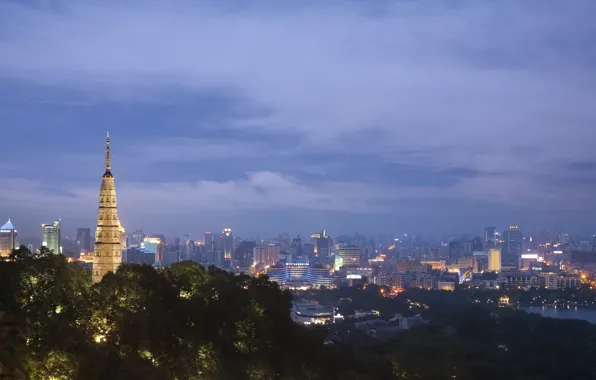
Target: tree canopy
181,322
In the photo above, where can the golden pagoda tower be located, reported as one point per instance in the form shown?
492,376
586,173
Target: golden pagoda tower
107,252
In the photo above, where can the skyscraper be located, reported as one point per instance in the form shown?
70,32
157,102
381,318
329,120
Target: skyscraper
107,251
228,243
322,248
350,256
208,242
296,247
137,237
512,247
154,245
188,245
266,254
50,236
84,239
489,237
8,239
284,241
455,251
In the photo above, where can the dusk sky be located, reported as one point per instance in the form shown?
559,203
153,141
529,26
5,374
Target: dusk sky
293,116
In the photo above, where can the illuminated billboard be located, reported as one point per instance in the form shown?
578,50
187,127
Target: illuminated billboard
354,277
530,256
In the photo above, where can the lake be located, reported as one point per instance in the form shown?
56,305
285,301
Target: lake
557,312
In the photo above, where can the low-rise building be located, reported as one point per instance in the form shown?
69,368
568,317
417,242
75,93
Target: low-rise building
446,285
311,313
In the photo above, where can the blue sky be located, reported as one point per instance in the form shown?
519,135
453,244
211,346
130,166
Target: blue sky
385,116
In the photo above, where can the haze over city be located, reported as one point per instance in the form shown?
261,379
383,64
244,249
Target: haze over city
389,117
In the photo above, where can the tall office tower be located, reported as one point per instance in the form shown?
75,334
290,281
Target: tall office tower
208,242
564,238
187,248
477,244
107,253
322,247
494,259
512,247
296,247
8,239
137,237
314,240
156,246
284,241
308,250
228,243
455,251
266,254
84,239
50,236
490,237
350,256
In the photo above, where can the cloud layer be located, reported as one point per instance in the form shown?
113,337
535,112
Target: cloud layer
377,108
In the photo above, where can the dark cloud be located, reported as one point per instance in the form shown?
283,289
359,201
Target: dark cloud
583,166
346,111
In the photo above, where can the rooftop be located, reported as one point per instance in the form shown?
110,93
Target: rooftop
8,226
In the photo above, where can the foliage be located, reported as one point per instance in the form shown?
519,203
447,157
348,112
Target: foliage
183,322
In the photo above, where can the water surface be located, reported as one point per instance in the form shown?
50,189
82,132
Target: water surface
559,312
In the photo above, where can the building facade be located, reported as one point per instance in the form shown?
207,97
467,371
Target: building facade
84,239
50,237
266,254
494,259
155,246
512,246
350,256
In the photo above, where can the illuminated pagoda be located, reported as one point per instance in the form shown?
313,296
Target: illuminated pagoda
107,252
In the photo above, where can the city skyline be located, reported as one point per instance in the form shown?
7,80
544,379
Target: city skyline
399,118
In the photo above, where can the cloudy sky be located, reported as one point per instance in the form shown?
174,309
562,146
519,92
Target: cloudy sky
268,116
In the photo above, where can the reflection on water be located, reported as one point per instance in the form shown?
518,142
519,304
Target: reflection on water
558,312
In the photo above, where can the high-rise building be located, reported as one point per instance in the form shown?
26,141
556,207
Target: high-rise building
50,237
477,244
84,239
138,237
323,243
188,245
266,254
455,251
208,242
284,241
228,243
350,256
490,237
107,253
154,245
494,259
8,239
512,247
314,240
296,247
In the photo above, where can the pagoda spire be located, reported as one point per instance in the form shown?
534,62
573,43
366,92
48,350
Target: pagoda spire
108,157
